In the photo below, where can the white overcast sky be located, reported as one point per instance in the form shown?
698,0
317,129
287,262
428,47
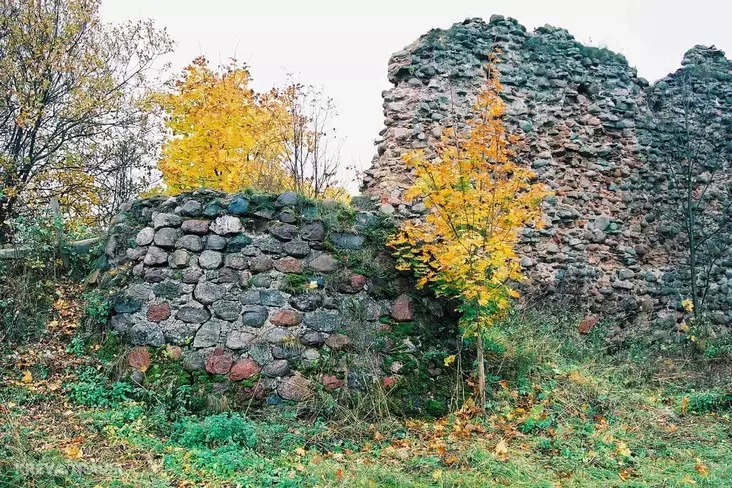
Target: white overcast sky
344,45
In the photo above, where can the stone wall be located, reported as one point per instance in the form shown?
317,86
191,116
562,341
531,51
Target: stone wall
585,125
270,293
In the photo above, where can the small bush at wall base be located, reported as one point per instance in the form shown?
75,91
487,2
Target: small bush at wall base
215,431
27,283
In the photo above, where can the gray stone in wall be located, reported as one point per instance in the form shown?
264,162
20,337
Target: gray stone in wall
276,368
191,208
191,314
226,310
307,302
216,242
296,249
284,232
268,245
156,275
260,353
238,242
236,261
140,292
276,335
192,275
155,256
261,264
178,259
262,280
325,263
287,216
121,323
167,289
226,225
342,240
323,321
208,334
192,360
285,352
314,231
239,340
190,242
166,220
254,315
198,227
146,334
313,338
165,237
286,199
250,297
177,332
210,259
271,298
207,292
228,275
136,254
145,236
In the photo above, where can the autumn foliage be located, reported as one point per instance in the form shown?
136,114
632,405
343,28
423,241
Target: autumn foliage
224,134
478,199
228,137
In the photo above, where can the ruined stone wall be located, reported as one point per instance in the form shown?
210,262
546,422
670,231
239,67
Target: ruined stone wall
585,126
270,294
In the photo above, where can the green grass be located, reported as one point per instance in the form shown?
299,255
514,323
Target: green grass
572,411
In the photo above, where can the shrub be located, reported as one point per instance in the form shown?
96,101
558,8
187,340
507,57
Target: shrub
215,431
28,282
91,390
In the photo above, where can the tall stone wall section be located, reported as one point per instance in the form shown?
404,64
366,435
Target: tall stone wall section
584,125
258,290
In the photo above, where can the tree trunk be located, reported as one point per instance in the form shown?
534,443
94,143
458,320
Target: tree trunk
481,369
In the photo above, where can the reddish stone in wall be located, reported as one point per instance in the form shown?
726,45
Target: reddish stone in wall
587,324
331,382
139,359
158,312
295,388
403,308
219,362
286,318
288,265
243,369
338,341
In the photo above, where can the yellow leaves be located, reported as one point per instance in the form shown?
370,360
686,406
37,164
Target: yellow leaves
73,452
626,474
501,450
684,407
226,136
577,377
449,360
622,449
688,480
478,201
701,468
688,305
27,377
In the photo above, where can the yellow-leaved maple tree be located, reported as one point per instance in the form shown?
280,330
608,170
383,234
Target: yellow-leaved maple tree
225,136
478,200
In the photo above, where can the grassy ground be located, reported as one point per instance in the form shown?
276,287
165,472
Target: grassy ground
563,412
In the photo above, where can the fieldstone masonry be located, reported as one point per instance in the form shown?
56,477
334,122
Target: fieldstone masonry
258,288
588,126
241,290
